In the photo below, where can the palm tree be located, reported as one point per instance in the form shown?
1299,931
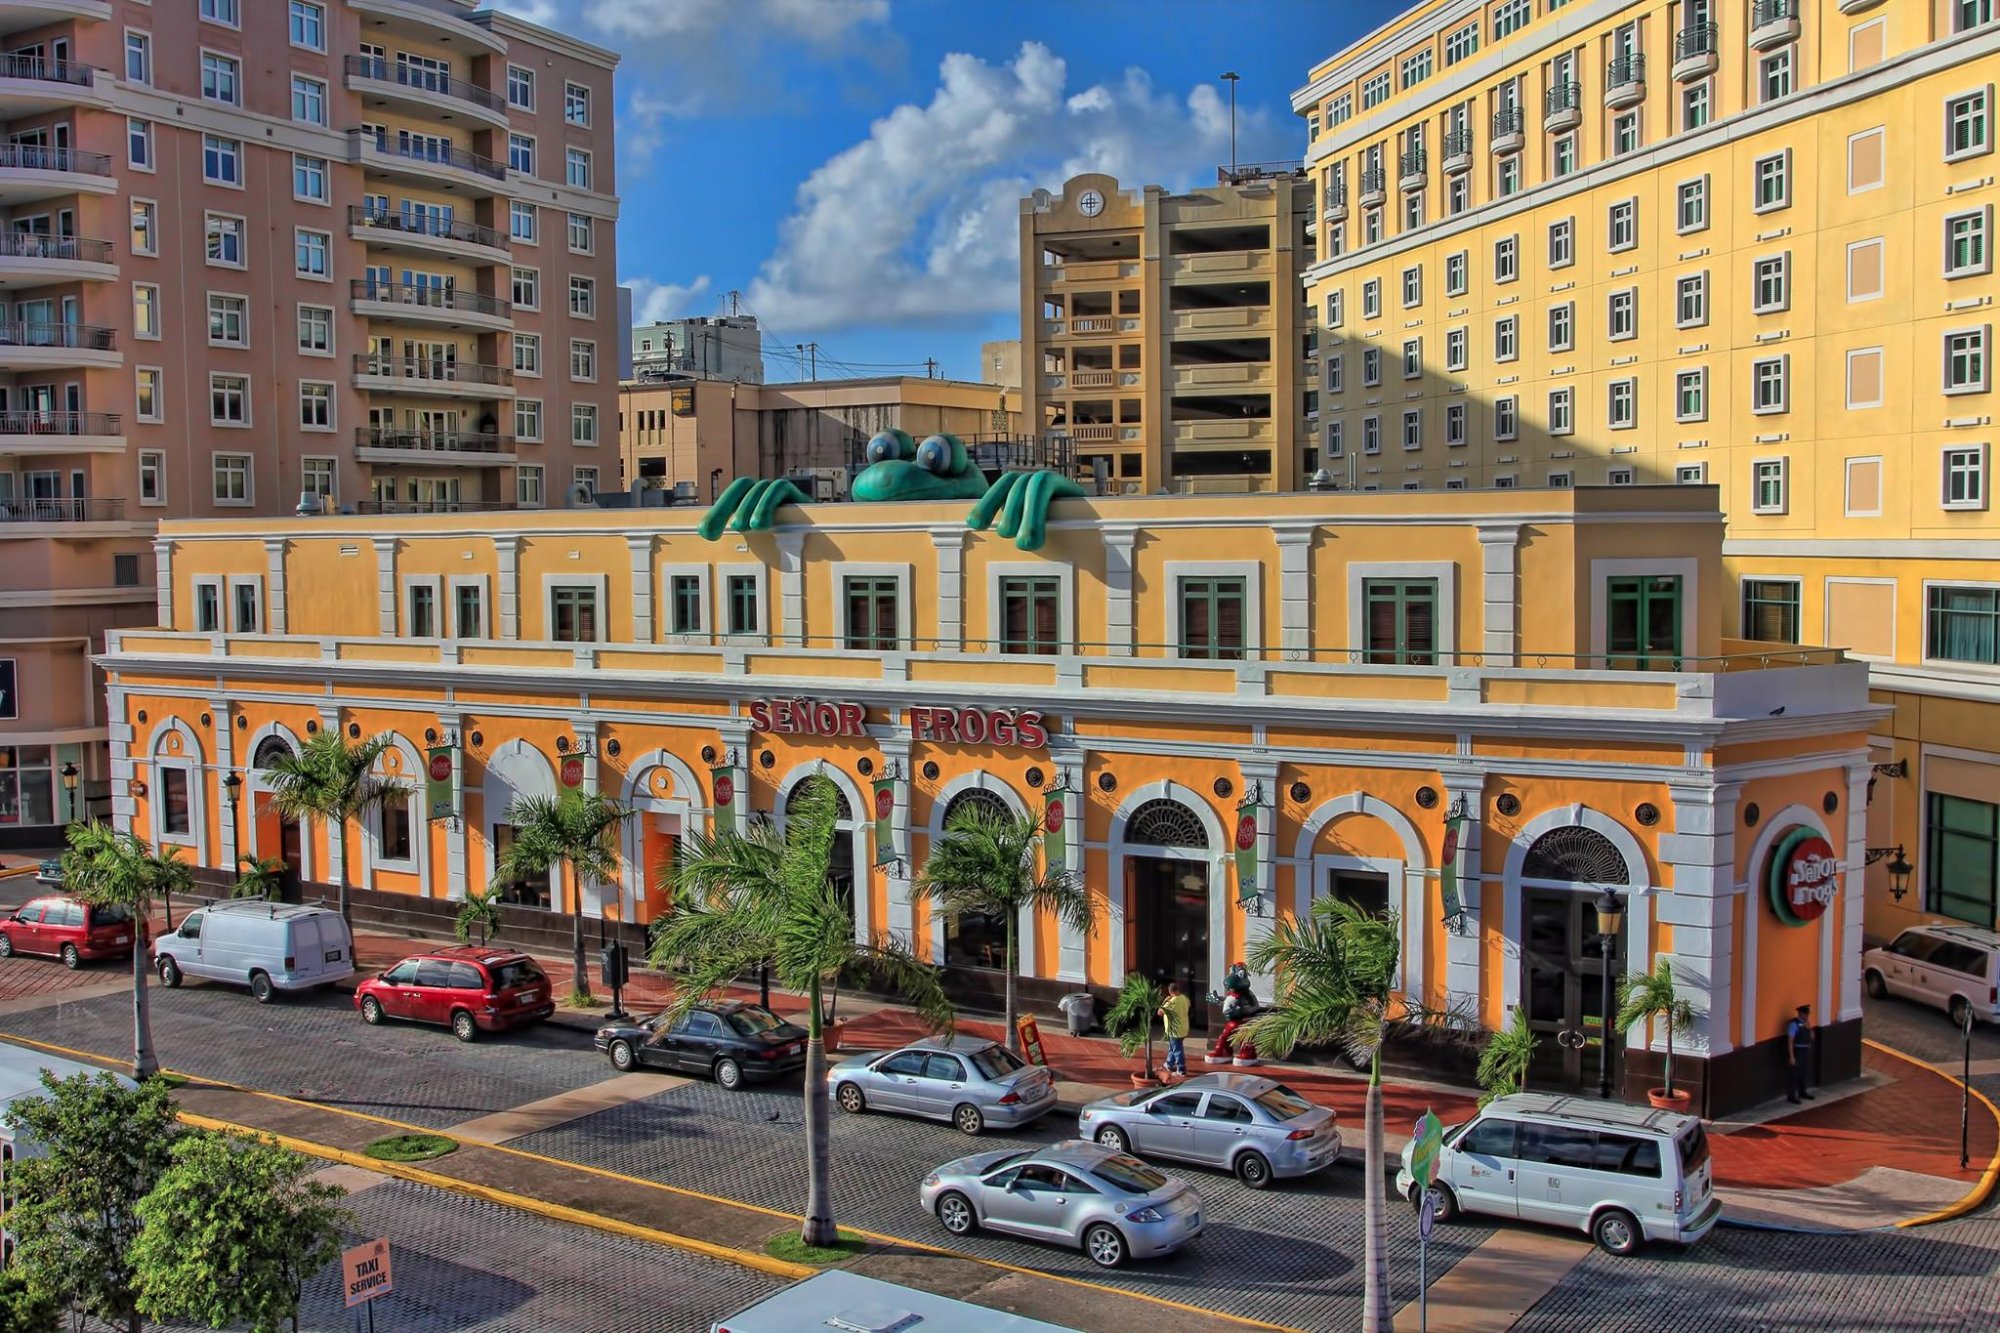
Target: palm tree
334,782
113,869
1133,1018
579,830
480,912
987,862
1336,968
1648,995
741,899
1504,1063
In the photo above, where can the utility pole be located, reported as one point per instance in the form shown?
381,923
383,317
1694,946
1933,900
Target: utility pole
930,367
735,303
1231,78
812,350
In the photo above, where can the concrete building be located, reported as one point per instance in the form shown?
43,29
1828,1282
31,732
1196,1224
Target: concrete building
1000,362
692,431
1163,333
1478,738
1742,245
354,249
706,347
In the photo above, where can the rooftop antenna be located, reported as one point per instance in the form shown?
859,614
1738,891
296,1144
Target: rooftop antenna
735,302
1232,78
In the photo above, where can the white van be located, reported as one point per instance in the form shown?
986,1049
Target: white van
269,947
851,1303
1956,968
1624,1174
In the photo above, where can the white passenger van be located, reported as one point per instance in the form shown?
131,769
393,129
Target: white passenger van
1956,968
267,946
1623,1174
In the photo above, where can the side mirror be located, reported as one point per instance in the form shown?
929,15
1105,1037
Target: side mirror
1014,1185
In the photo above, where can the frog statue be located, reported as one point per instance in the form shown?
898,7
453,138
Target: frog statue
941,468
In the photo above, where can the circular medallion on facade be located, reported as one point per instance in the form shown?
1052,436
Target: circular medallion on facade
864,765
663,782
206,720
1106,782
1647,813
1223,787
766,758
1301,793
708,754
1830,802
612,748
930,770
1508,804
725,790
1803,877
1751,814
441,767
1090,203
1427,797
572,772
1034,777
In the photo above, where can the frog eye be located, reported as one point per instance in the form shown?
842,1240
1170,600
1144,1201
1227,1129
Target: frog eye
934,455
884,448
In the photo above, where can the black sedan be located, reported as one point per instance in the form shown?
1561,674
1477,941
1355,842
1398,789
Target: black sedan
729,1041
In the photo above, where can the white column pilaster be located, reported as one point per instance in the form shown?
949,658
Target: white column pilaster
641,549
225,751
735,734
591,895
1118,617
507,555
792,586
274,584
118,727
456,831
949,544
902,913
1463,948
1295,595
1499,590
163,581
1853,901
1258,920
1072,945
336,851
1701,907
385,585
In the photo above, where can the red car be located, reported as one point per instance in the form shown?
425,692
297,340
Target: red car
471,990
68,929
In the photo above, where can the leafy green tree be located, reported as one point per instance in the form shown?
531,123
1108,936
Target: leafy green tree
75,1220
480,912
1336,971
1133,1017
578,830
335,783
231,1231
744,898
989,862
259,877
1503,1064
23,1308
114,869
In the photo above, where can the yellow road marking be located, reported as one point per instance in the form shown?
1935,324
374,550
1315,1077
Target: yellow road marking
1987,1179
591,1219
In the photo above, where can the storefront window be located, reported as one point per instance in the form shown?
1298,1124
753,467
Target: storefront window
1645,628
1962,858
1364,889
523,891
1030,615
27,786
395,845
175,816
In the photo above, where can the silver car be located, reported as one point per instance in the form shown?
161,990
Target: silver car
1111,1206
1256,1127
969,1081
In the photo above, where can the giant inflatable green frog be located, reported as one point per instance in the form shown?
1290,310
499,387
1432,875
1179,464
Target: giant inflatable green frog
941,468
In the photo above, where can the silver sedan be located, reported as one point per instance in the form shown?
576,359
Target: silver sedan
1111,1206
1255,1127
969,1081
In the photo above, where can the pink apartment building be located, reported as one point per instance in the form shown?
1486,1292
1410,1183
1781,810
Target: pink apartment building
351,255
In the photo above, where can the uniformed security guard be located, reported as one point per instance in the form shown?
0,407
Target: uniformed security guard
1798,1049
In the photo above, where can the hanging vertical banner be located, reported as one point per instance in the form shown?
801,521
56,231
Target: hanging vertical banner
724,778
1055,818
1247,887
1448,872
438,766
885,817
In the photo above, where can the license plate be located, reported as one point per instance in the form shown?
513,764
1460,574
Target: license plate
121,939
333,955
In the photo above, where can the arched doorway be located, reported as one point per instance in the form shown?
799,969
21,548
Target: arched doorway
1166,892
975,939
271,834
840,869
1563,962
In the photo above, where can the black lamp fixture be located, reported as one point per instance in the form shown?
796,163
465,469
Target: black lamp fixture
70,775
1610,920
1898,769
232,787
1899,868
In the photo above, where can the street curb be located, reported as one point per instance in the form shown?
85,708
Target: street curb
1988,1179
556,1212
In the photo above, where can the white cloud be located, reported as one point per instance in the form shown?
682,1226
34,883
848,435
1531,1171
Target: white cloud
654,301
548,13
805,20
919,222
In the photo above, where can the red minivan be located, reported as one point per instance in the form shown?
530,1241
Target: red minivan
69,929
469,989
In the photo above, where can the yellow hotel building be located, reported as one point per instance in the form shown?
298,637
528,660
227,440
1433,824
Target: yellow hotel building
1746,243
1232,705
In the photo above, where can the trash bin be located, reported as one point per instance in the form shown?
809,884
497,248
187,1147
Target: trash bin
1080,1008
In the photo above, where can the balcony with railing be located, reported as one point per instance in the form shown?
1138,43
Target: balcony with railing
1374,186
62,509
31,172
1457,151
424,304
1333,204
1412,169
426,23
29,344
426,233
1773,23
1624,81
441,165
432,376
32,432
29,258
1509,129
398,81
32,83
1697,51
373,444
1562,108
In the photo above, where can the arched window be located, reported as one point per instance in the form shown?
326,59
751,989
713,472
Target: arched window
270,750
798,791
975,798
1575,855
975,939
1166,823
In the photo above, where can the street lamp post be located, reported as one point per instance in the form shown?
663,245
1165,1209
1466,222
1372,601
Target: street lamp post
1232,78
1610,920
70,775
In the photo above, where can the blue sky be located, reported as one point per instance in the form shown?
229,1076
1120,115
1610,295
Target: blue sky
852,167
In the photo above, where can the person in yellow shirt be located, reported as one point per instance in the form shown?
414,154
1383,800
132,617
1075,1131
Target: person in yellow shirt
1174,1015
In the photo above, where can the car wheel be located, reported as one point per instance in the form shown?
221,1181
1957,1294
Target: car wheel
261,989
954,1212
967,1119
1444,1204
71,958
728,1074
371,1011
1958,1009
1877,988
463,1027
850,1099
622,1057
1114,1138
1616,1232
1254,1170
170,972
1104,1245
6,947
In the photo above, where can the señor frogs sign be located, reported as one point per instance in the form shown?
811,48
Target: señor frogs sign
1802,876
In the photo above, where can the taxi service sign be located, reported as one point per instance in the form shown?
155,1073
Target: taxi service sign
1425,1142
365,1269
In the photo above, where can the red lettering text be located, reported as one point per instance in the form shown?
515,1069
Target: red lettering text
972,726
1034,736
853,719
760,715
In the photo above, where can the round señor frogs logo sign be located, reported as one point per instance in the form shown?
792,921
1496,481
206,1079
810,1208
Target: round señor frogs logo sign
1802,877
885,803
1246,833
440,768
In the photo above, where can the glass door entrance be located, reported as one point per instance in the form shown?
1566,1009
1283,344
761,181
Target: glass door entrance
1168,899
1562,984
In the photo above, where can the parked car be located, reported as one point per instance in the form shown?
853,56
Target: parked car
49,871
1110,1205
729,1041
1956,968
471,989
1257,1128
1622,1174
269,947
969,1081
67,928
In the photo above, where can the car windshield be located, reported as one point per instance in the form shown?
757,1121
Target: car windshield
1006,1162
751,1021
995,1061
522,973
1282,1103
1128,1174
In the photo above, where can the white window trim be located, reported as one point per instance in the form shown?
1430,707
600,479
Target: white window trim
151,166
663,620
597,583
1610,212
1603,571
1445,572
1414,273
242,240
1464,260
1784,258
1633,424
450,620
760,635
1513,323
1986,92
1784,505
843,570
238,25
1514,244
1881,132
1944,477
1784,363
249,479
1985,331
153,231
1826,615
1847,508
409,763
216,582
332,330
326,174
406,619
1252,574
1568,342
158,416
332,425
1632,331
996,620
1515,433
159,315
249,408
1784,200
197,805
1985,212
234,582
1882,266
1703,181
1924,606
1569,243
1701,323
1701,372
299,234
159,457
1461,358
1570,404
234,296
242,157
1881,379
1856,31
534,89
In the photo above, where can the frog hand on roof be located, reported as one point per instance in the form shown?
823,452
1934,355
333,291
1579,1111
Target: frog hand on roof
941,468
749,504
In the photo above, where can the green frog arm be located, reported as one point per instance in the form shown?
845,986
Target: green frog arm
749,504
1021,499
